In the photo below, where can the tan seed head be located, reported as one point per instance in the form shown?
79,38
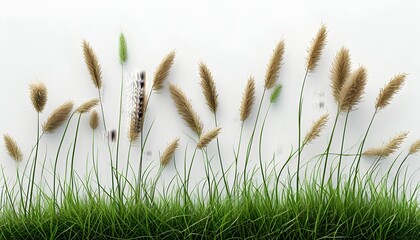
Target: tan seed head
340,71
94,120
352,90
92,64
12,148
387,149
415,147
315,51
87,106
207,137
386,93
316,129
39,95
57,117
248,99
162,71
208,87
273,68
169,152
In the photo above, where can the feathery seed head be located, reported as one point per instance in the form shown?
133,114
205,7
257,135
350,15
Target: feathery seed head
273,68
316,129
169,152
162,71
208,87
185,109
340,71
386,93
387,149
352,90
123,49
314,52
415,147
57,117
39,95
248,99
92,64
94,120
12,148
207,137
87,106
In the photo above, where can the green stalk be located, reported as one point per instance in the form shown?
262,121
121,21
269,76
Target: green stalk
235,183
72,156
299,130
260,154
341,149
220,160
34,166
118,134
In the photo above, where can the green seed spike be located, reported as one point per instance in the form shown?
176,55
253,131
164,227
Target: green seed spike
123,49
276,93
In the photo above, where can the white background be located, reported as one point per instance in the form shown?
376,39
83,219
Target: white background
42,41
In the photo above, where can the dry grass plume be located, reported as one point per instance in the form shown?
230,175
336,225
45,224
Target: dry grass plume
87,106
316,129
12,148
162,71
185,109
208,87
92,64
94,120
39,95
317,45
273,68
57,117
414,148
248,99
340,71
207,137
387,149
169,152
386,93
353,89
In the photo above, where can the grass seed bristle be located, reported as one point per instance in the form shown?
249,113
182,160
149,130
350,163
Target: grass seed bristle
39,95
87,106
208,87
94,120
353,89
273,68
387,149
340,71
169,152
248,99
92,64
12,148
414,148
185,109
162,71
315,51
207,137
390,89
57,117
316,129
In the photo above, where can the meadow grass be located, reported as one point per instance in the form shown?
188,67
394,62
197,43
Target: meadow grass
318,200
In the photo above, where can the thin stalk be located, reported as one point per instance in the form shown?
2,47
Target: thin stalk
341,148
235,183
299,130
73,153
260,154
220,160
118,134
248,151
95,164
34,165
397,175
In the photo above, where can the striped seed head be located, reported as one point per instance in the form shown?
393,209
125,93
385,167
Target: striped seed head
92,64
273,68
315,51
208,87
162,71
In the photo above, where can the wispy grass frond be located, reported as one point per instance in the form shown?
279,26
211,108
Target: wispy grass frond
58,117
185,109
316,129
387,149
162,71
386,93
92,64
340,71
208,87
94,120
248,99
169,152
273,68
207,137
315,50
87,106
12,148
123,49
415,147
39,95
353,89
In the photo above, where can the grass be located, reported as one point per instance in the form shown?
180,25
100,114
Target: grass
321,199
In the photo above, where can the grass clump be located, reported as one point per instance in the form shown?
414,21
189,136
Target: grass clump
320,199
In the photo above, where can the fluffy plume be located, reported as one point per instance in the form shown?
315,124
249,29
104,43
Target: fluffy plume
248,99
57,117
314,52
274,65
92,64
340,71
123,49
169,152
94,120
12,148
414,148
162,71
208,87
316,129
386,93
87,106
207,137
353,89
39,95
185,109
387,149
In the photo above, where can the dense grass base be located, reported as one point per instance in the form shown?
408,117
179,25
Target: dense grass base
331,213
